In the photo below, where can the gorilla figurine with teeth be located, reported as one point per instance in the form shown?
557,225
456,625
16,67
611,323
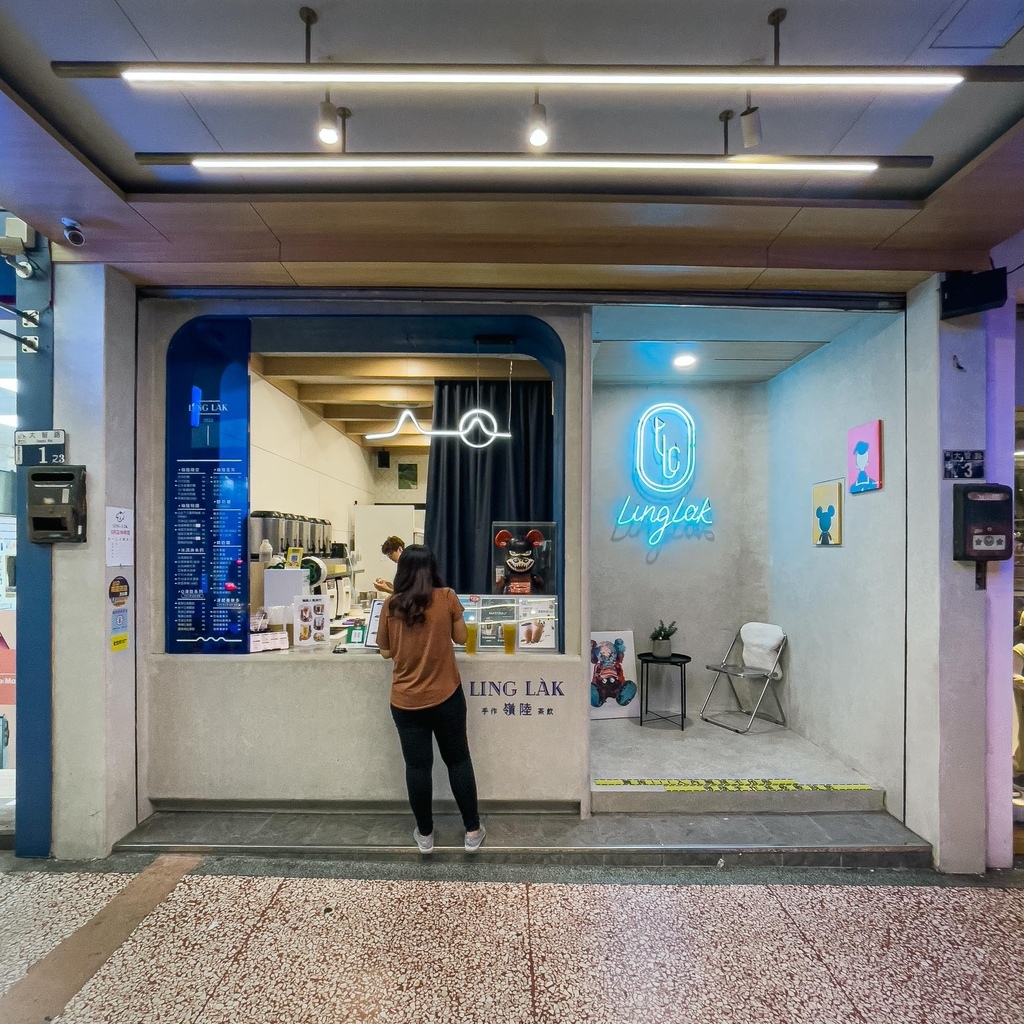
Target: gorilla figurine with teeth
520,560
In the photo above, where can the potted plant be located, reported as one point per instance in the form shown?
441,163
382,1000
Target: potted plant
661,637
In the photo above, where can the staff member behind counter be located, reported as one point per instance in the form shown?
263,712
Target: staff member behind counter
392,548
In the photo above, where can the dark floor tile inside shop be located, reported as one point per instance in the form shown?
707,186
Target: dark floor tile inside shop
836,839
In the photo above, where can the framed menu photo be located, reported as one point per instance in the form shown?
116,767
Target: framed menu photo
538,622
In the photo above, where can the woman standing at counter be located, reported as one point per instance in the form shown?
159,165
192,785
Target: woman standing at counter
418,624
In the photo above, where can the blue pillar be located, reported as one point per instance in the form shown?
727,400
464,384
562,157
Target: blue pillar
34,768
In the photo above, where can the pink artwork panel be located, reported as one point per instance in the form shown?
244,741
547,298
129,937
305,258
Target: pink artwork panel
864,458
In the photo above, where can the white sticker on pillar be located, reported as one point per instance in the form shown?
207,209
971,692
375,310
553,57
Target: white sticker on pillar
120,536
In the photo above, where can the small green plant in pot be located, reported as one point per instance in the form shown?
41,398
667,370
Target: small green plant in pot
661,638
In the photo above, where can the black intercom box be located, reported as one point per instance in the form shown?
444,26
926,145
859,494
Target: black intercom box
982,522
56,505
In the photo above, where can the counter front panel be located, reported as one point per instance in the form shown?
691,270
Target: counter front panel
312,726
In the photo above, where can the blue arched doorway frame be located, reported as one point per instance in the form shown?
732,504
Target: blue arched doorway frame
222,341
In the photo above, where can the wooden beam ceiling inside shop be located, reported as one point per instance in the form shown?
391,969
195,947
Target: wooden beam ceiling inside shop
329,369
365,394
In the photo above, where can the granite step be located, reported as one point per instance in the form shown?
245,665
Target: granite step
830,839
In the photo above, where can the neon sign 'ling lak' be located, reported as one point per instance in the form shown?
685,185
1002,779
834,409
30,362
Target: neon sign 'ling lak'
664,464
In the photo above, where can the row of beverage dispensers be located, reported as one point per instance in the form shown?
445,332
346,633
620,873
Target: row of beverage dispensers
285,531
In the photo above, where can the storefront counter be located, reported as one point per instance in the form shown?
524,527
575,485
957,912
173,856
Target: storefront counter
313,726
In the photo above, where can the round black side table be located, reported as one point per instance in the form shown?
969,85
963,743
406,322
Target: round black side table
646,661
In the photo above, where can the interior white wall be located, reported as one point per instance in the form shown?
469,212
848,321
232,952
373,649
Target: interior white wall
385,481
93,689
842,607
710,586
301,464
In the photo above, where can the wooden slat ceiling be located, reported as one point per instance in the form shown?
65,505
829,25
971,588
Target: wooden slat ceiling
364,394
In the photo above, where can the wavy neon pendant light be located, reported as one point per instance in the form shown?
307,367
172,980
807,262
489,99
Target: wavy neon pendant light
474,420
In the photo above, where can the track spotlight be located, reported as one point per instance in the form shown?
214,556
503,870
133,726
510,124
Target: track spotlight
750,124
684,361
327,126
21,264
538,123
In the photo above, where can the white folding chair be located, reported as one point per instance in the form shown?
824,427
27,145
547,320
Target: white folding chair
760,655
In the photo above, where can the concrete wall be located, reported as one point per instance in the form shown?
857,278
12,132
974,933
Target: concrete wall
842,607
709,584
316,727
301,464
93,689
946,615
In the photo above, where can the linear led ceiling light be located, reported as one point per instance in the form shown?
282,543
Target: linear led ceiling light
570,76
319,163
551,76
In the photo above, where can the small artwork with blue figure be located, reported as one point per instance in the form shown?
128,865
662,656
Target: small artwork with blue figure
827,519
864,458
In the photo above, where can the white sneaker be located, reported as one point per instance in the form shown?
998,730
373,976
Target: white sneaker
425,843
474,842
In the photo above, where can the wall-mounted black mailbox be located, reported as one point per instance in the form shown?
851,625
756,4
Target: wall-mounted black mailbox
56,505
982,522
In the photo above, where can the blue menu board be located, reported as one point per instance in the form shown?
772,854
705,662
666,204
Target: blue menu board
207,488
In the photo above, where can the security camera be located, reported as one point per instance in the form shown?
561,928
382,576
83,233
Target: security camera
73,231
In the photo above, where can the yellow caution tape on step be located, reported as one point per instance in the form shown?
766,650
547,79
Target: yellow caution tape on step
736,785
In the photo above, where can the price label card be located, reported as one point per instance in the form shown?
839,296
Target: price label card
40,447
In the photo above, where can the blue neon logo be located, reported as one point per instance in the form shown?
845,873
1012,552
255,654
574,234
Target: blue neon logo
665,453
664,463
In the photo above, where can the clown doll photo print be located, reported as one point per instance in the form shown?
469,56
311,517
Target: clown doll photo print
613,675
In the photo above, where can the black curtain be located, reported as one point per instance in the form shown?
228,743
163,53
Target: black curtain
470,488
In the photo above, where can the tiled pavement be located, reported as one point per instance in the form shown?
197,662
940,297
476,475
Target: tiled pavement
254,942
38,911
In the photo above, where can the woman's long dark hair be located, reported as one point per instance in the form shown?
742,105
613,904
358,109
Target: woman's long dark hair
416,578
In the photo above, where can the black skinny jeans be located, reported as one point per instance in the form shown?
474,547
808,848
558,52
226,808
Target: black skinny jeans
446,721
